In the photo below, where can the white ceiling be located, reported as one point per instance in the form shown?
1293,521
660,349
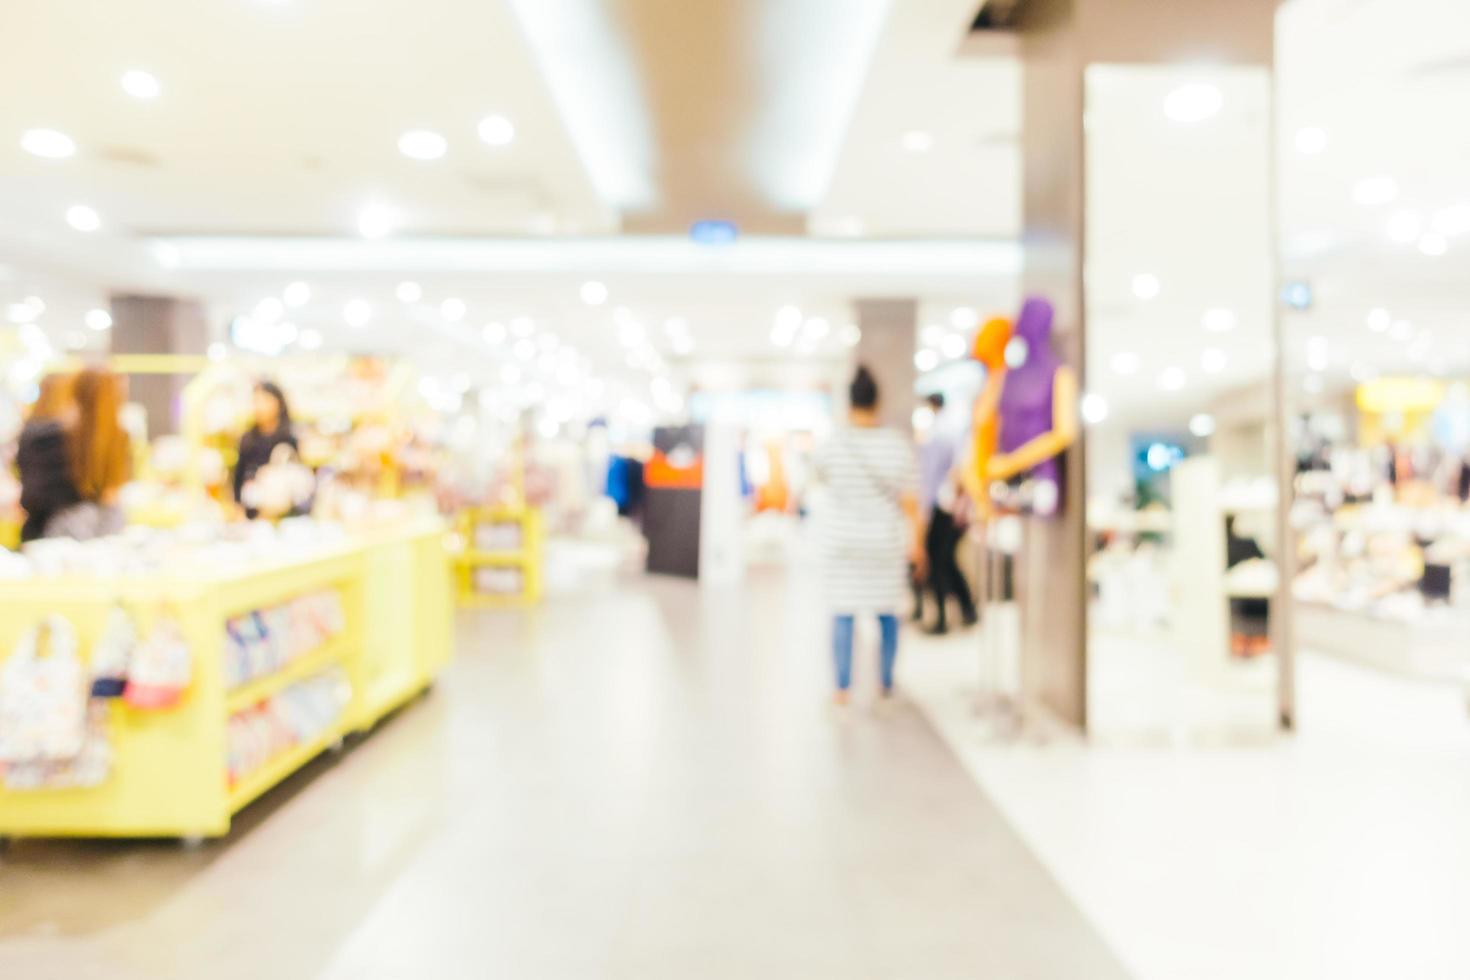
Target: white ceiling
283,118
1389,83
923,79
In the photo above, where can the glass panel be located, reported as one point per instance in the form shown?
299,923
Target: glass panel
1178,407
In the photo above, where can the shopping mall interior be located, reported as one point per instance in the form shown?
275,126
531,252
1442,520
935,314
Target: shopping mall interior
466,469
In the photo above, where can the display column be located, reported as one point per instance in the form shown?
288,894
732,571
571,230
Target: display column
890,335
1059,41
158,325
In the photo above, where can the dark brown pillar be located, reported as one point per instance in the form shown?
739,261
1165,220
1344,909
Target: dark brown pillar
158,325
890,332
1059,40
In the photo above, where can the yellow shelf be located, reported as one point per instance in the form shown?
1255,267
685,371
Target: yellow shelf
168,776
252,786
253,692
495,557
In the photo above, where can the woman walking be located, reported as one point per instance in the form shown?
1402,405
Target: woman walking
870,532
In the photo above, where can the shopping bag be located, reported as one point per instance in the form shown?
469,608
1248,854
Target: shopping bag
160,669
89,767
112,655
43,695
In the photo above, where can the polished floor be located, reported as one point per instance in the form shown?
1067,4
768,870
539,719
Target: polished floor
646,782
1337,853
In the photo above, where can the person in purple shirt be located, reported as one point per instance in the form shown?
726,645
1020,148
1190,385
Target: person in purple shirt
938,497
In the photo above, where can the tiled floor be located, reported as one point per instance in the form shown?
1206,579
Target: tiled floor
641,783
1341,853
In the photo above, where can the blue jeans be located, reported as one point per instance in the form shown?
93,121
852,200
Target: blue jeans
842,627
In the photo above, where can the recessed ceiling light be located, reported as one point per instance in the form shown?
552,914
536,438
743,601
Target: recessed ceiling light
269,309
1193,103
409,292
525,349
1433,245
594,293
788,318
964,318
453,309
310,339
497,131
296,294
1379,319
932,334
852,334
140,84
1311,140
1146,285
926,359
1372,192
1213,360
1404,227
48,143
955,346
357,312
422,144
1173,379
1125,363
1218,320
98,319
1202,425
918,141
374,221
83,218
1094,408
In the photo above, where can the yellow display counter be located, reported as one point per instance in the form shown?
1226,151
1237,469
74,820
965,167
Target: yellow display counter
169,775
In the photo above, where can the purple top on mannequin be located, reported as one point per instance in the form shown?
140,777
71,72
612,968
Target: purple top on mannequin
1026,399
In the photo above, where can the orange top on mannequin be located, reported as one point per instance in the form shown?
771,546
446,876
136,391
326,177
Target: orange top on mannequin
990,350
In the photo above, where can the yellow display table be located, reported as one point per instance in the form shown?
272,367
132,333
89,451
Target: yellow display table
169,775
520,556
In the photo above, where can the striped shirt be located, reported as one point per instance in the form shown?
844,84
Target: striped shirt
864,534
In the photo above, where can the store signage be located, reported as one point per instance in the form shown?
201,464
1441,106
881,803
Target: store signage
713,232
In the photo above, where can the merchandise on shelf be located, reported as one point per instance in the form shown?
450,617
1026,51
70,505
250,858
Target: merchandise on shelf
498,535
263,642
299,715
499,581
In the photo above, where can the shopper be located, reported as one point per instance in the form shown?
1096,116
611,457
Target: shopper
271,428
870,526
46,484
97,450
939,488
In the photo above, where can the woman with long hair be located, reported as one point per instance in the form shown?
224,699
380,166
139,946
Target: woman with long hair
270,428
41,458
97,448
870,531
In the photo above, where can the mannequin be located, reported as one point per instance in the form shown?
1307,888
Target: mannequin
989,349
1038,413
